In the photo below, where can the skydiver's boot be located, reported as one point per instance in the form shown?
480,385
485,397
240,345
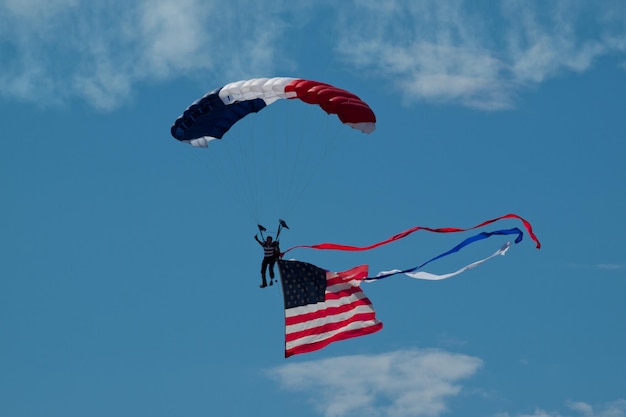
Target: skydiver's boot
264,283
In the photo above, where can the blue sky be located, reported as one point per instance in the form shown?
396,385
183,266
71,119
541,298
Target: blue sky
129,276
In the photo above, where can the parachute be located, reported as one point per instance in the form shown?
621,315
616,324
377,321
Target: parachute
272,158
213,115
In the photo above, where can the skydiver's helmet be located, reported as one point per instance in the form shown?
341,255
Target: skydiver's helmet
269,239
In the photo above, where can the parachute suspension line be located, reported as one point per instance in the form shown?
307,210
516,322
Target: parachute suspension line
257,154
226,162
280,146
313,152
274,157
253,171
270,153
211,160
242,157
296,153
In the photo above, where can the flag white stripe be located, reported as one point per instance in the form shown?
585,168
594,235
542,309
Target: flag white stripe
321,321
322,305
306,340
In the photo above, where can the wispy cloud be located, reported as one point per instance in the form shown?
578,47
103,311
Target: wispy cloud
601,266
402,383
396,384
437,51
611,267
579,409
59,49
453,52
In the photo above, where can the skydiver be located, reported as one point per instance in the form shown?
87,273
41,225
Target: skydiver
270,254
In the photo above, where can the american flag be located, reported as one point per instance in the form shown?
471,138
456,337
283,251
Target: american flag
322,307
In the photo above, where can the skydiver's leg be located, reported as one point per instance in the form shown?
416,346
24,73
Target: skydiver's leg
263,269
272,261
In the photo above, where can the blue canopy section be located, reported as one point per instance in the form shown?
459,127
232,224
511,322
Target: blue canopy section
209,116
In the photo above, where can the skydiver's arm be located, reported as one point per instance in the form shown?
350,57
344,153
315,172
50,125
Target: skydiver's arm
257,239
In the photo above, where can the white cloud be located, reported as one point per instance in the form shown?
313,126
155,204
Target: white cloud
396,384
449,52
611,267
173,34
438,51
37,10
580,409
54,50
401,384
601,266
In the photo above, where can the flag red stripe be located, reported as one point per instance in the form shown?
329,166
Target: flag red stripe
326,312
341,336
331,327
347,292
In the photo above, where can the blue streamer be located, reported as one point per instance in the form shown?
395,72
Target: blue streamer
466,242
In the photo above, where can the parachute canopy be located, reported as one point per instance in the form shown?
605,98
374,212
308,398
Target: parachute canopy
214,114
